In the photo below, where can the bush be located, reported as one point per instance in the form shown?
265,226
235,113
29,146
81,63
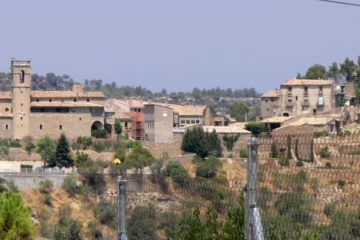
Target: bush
46,199
274,152
29,144
67,228
329,209
92,174
95,231
106,213
341,183
209,167
243,153
69,185
134,144
141,224
99,133
321,134
256,128
328,165
46,148
175,170
4,148
325,153
84,142
45,186
99,146
284,161
229,141
14,143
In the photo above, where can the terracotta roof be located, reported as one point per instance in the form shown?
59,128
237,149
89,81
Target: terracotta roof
188,110
64,104
307,82
276,119
226,129
5,95
272,93
59,94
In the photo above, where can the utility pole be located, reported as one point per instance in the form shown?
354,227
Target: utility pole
253,227
122,208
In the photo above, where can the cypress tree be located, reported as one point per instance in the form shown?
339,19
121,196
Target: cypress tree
62,155
289,147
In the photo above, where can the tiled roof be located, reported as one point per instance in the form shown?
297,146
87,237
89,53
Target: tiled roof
64,104
307,82
5,95
272,93
132,102
59,94
226,129
188,110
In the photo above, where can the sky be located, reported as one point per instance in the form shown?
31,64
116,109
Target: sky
178,44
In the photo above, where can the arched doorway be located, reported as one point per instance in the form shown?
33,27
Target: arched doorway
96,125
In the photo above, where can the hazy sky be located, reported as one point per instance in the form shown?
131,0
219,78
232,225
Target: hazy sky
178,44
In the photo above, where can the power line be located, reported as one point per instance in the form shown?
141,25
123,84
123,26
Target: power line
342,3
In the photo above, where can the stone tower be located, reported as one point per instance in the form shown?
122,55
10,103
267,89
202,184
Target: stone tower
21,90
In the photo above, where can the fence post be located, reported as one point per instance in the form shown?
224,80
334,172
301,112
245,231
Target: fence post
122,208
253,227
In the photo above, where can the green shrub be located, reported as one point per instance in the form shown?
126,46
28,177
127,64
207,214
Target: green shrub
69,185
106,213
99,133
229,140
67,227
45,186
141,224
4,148
99,146
329,209
284,161
134,144
47,199
274,151
321,134
95,231
256,128
14,143
29,144
209,167
325,153
243,153
341,183
84,142
175,170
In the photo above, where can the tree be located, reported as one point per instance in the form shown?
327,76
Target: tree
175,170
62,154
117,127
15,218
139,158
234,225
347,68
230,140
46,148
274,151
238,110
334,72
316,71
29,144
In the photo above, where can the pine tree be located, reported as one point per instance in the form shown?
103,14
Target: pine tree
62,155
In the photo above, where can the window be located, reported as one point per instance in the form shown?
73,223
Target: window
320,88
37,100
182,121
40,126
21,104
75,99
80,119
88,100
192,121
7,109
296,98
22,76
50,100
21,118
60,127
197,121
266,101
289,88
6,126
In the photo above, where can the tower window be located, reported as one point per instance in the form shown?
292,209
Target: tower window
75,100
37,100
50,100
40,126
7,109
21,104
21,118
88,100
6,126
22,76
80,119
60,127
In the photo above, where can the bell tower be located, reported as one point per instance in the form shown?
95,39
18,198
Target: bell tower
21,90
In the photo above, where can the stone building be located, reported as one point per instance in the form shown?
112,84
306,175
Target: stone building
26,112
158,123
193,114
298,97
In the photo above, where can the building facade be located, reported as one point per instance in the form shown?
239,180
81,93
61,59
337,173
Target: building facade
158,123
25,112
298,97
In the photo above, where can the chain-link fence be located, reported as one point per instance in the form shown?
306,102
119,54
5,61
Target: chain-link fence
309,186
305,187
